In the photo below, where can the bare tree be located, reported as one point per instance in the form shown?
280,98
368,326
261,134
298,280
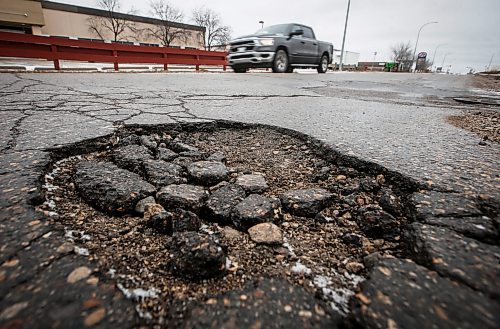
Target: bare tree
165,31
216,34
402,52
112,22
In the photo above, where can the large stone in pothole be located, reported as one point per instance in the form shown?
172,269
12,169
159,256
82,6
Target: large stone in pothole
390,202
266,233
188,197
221,203
149,142
178,220
253,210
166,154
208,172
378,224
306,202
452,255
129,140
161,173
110,188
197,256
182,147
140,207
252,183
267,303
401,294
432,204
132,157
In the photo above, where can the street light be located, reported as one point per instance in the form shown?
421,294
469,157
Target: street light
261,24
343,39
416,44
435,50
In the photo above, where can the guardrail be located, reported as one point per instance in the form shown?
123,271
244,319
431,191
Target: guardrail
56,49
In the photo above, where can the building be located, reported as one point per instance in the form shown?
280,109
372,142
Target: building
57,19
350,60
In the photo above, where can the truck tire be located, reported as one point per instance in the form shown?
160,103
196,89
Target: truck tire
280,63
323,64
240,69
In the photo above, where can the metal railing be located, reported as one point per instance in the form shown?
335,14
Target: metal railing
56,49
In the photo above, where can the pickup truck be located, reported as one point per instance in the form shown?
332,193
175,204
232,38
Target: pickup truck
281,47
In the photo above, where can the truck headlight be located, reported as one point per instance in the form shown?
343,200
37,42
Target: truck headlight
266,42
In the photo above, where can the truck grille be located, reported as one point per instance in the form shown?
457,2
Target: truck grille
244,45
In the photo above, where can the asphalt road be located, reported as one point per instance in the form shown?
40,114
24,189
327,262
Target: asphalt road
397,120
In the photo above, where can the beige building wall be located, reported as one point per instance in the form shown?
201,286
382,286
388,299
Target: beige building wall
23,12
61,23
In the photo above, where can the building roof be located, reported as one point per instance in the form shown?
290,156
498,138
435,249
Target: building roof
100,12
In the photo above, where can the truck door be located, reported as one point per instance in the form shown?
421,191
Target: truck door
297,47
311,46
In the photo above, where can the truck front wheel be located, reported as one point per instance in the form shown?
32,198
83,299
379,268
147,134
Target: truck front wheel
323,64
280,63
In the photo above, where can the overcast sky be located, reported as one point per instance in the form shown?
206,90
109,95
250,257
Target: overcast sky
469,29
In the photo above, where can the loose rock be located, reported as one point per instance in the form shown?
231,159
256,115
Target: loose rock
149,142
217,156
266,233
132,158
197,256
208,172
110,188
161,173
166,154
307,202
252,183
221,203
253,210
188,197
141,205
379,224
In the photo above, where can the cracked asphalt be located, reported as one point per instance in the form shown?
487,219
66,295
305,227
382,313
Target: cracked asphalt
395,120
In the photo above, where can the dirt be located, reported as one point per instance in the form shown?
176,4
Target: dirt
489,82
315,254
486,124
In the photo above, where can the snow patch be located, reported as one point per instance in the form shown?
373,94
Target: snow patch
300,268
138,293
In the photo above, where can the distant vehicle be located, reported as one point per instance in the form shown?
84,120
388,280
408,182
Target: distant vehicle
281,47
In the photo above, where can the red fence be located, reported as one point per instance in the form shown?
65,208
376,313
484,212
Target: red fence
56,49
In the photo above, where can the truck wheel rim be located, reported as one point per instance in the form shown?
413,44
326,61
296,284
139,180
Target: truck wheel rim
324,64
281,61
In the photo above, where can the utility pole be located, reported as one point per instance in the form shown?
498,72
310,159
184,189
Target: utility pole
343,39
261,24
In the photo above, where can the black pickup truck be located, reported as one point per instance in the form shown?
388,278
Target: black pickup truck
281,47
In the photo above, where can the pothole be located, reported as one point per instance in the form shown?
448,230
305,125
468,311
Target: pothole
186,219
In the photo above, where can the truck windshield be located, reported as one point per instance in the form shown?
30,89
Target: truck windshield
281,29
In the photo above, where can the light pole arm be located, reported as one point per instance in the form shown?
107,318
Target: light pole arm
418,37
